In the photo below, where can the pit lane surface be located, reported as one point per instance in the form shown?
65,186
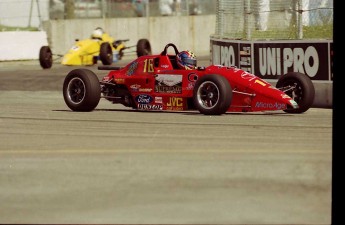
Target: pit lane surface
116,165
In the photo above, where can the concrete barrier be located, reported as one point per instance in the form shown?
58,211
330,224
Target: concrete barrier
186,32
21,45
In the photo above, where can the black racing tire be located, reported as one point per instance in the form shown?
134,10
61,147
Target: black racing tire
143,47
46,57
106,53
303,92
212,94
81,90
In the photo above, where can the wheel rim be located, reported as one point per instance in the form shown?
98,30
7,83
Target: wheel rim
76,90
208,95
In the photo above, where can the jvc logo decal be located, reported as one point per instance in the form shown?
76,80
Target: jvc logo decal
175,102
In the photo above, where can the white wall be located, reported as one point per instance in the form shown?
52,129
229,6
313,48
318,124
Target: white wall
21,45
186,32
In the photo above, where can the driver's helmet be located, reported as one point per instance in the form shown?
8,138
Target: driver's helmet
97,33
186,60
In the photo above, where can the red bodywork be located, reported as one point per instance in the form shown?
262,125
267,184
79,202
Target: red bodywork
155,83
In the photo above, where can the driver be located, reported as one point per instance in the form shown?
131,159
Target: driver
186,60
97,33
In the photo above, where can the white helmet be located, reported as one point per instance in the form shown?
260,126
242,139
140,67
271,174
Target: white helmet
97,33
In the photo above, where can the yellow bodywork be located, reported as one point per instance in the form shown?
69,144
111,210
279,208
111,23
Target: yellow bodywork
86,52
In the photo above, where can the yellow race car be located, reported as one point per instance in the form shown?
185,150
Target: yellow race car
100,46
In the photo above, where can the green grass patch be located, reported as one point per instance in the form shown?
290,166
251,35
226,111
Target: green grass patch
320,32
310,32
7,28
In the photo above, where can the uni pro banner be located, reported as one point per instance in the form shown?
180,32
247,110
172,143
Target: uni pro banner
270,59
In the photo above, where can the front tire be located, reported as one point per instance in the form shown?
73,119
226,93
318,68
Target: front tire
143,47
212,95
81,90
46,57
300,88
106,54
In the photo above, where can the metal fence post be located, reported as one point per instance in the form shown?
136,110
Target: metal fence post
247,10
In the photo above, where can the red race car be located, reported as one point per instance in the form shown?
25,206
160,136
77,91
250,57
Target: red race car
174,82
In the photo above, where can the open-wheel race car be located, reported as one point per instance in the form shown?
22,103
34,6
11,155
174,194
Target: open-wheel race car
159,82
100,46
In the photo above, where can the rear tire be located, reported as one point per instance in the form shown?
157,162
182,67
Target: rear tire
143,47
46,57
212,95
81,90
106,54
303,93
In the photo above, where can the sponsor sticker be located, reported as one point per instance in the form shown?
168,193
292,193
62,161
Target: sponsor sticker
158,99
150,107
144,99
175,103
119,80
145,89
132,68
168,83
135,87
269,105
